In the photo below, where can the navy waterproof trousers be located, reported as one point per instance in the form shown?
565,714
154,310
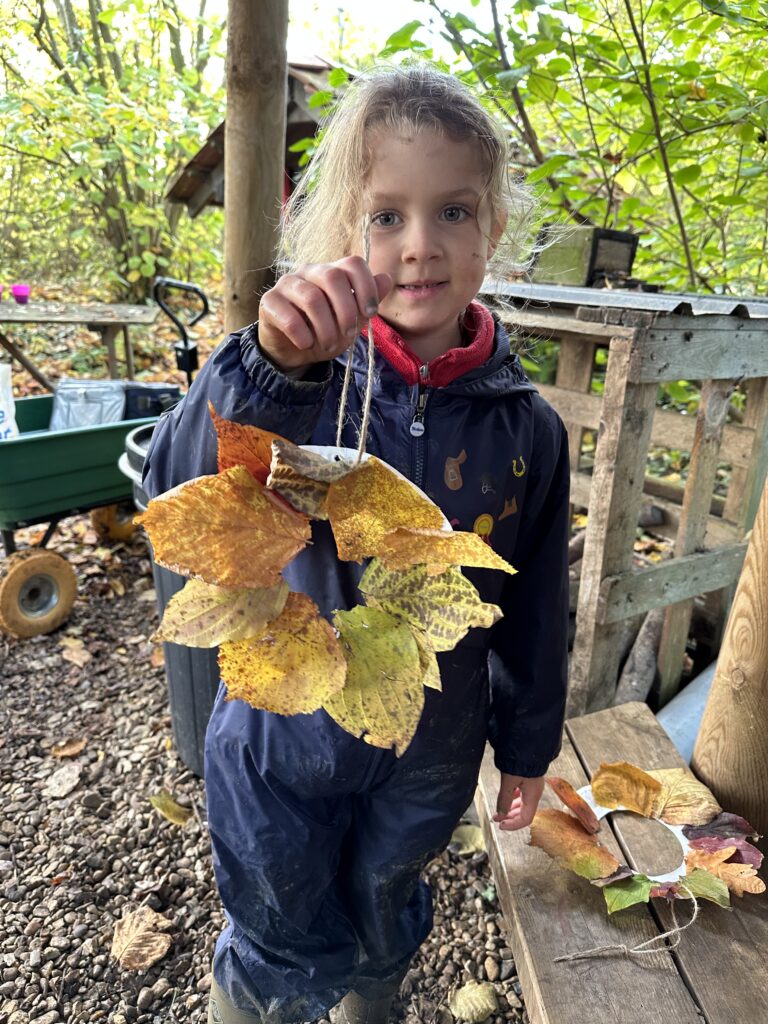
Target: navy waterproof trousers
318,859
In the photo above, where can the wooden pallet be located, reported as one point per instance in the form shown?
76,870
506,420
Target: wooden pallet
718,973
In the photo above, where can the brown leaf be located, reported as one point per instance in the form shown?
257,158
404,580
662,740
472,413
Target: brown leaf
138,941
567,841
371,501
626,785
304,492
745,853
71,748
438,549
157,657
241,444
739,878
684,800
293,667
202,615
574,802
225,529
75,651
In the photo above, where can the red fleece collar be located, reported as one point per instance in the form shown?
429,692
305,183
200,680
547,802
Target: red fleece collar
479,329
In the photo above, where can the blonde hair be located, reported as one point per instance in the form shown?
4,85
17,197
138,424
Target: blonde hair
321,221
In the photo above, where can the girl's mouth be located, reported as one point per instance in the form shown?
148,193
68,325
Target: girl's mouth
422,289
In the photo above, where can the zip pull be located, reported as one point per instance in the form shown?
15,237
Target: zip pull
417,427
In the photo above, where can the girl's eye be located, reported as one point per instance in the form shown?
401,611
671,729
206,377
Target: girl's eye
455,214
385,219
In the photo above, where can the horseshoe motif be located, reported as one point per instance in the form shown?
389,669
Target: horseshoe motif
515,470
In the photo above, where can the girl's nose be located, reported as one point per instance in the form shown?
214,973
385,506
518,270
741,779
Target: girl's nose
421,242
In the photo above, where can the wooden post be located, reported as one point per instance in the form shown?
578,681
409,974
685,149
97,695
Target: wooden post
254,152
731,751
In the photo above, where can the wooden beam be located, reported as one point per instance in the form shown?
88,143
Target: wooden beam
206,190
701,348
549,325
631,593
255,152
574,373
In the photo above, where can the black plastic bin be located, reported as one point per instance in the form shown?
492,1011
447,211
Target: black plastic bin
192,673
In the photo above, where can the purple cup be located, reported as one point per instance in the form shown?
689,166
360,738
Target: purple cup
20,292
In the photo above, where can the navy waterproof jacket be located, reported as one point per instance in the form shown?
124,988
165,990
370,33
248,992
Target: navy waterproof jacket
492,453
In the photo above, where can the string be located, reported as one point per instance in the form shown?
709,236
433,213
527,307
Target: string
362,436
656,944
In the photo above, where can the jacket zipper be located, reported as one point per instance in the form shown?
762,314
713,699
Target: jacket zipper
418,427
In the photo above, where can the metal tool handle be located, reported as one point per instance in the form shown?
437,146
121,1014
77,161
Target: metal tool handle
168,283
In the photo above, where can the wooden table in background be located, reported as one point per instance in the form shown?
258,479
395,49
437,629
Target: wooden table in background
719,972
106,318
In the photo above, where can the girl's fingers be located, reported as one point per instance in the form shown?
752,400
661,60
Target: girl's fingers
362,283
314,305
336,285
280,313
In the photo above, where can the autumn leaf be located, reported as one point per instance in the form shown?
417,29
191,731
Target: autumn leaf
203,615
621,895
574,802
443,607
739,878
383,697
705,886
309,464
368,503
225,529
474,1002
438,549
303,492
625,785
618,876
293,667
428,661
725,825
567,841
467,839
164,804
75,651
138,941
69,749
745,853
683,799
241,444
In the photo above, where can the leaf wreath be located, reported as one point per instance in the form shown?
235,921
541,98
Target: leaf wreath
235,531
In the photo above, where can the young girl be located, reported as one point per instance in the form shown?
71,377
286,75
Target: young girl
318,838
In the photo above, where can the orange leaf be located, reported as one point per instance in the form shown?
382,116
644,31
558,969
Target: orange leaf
294,667
241,444
574,802
567,841
225,529
739,878
369,502
69,749
438,549
626,785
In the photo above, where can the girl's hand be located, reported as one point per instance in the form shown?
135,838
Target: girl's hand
313,314
517,801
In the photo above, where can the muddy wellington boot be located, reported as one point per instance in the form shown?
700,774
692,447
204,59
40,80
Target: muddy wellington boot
354,1009
221,1011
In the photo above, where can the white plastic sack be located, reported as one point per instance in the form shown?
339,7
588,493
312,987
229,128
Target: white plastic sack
86,403
8,428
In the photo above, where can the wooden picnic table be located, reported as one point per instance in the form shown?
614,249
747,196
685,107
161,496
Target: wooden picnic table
717,975
106,318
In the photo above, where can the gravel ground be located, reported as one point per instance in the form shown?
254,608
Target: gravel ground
72,864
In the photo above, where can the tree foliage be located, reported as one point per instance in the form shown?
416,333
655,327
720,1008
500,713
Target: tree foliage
634,114
103,102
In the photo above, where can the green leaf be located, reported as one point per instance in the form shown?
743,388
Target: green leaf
688,174
402,37
620,895
549,166
509,79
320,98
706,886
338,77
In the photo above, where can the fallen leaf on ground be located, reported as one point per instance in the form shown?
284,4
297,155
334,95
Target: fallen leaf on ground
739,878
139,941
368,503
383,697
164,804
240,444
293,667
683,799
625,785
203,615
157,658
227,529
567,841
574,802
63,780
467,839
438,549
75,651
474,1002
68,749
443,608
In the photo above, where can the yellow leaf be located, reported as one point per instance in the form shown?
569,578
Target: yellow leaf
241,444
684,800
443,607
567,841
136,944
164,804
132,276
739,878
369,502
202,615
294,667
438,549
383,697
474,1002
467,839
626,785
428,661
225,529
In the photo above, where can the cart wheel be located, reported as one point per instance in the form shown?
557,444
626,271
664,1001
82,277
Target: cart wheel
114,522
37,591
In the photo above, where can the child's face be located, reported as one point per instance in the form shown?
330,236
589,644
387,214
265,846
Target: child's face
430,232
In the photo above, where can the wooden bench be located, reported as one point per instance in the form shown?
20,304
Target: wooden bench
719,972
